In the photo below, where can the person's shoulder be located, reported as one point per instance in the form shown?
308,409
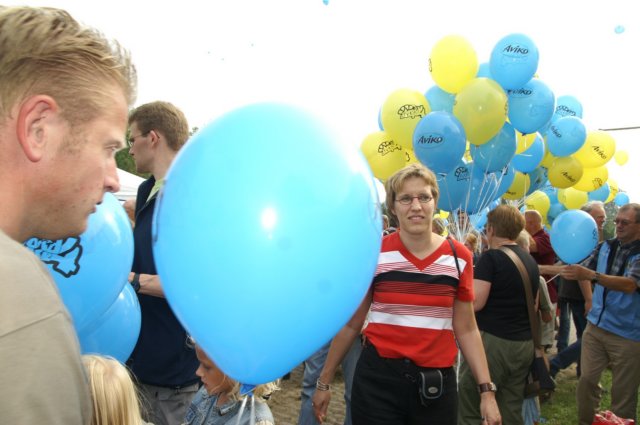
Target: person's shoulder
460,249
30,294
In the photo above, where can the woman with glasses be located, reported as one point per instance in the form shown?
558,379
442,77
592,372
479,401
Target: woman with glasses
419,304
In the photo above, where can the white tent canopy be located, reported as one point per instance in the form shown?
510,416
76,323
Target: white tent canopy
128,185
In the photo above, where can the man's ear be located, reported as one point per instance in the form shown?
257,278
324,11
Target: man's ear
155,138
34,126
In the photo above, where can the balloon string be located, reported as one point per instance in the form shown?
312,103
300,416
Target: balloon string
253,411
453,219
242,406
552,278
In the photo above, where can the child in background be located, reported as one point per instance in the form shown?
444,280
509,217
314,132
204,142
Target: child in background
114,397
219,401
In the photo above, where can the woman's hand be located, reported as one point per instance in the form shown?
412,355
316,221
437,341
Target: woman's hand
320,403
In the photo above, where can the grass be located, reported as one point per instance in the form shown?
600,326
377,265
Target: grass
562,409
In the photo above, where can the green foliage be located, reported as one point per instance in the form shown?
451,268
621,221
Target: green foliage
125,161
609,228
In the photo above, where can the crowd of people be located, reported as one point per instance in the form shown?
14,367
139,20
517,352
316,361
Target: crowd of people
64,111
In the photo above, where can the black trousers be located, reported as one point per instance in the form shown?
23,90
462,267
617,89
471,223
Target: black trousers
385,392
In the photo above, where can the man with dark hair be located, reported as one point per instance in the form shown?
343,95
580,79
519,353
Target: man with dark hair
63,110
162,361
612,336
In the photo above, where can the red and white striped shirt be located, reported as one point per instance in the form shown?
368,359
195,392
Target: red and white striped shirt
411,314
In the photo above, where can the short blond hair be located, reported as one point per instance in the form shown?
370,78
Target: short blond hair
45,51
395,182
114,396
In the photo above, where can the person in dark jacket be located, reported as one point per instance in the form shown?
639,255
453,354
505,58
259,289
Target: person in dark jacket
163,362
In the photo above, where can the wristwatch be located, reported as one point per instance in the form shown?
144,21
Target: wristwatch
135,282
596,278
488,386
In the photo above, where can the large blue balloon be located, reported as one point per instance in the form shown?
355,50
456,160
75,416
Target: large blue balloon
531,158
267,235
439,141
566,135
440,100
90,270
116,332
531,106
574,234
497,152
514,61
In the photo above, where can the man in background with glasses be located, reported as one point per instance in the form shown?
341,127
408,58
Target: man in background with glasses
612,336
162,362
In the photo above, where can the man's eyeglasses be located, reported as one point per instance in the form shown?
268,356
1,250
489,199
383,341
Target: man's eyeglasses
406,199
621,222
132,139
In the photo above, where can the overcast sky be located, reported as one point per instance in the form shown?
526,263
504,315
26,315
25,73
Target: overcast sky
342,59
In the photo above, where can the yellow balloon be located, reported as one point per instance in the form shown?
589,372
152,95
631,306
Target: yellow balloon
621,157
519,187
548,158
565,172
444,214
613,190
592,179
400,114
524,141
481,107
597,150
538,201
571,198
384,156
453,63
410,157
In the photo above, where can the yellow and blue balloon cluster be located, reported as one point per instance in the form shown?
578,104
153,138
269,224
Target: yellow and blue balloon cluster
494,131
